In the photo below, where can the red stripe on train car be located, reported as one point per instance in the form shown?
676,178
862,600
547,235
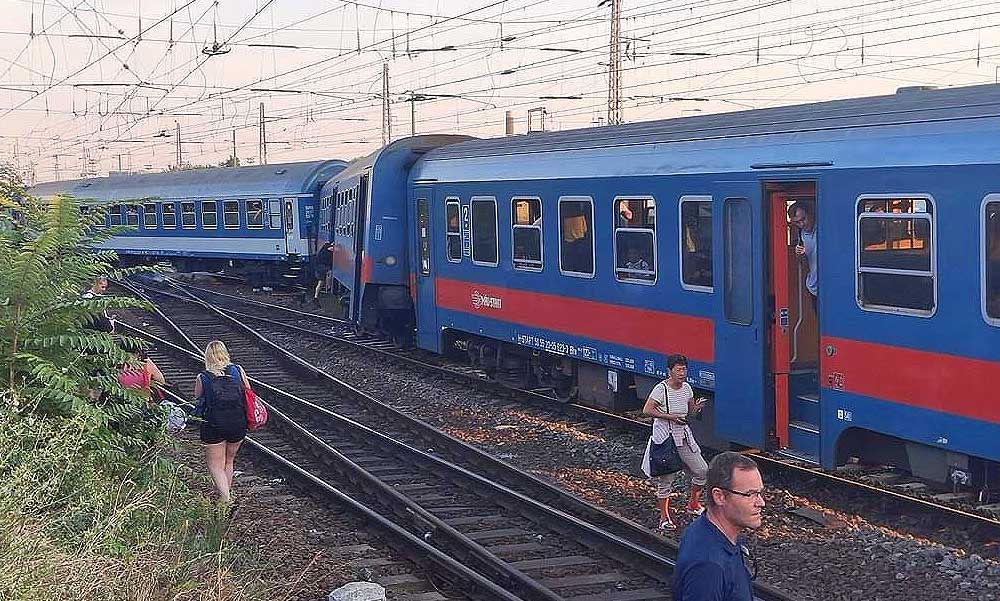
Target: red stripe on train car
946,383
656,331
366,268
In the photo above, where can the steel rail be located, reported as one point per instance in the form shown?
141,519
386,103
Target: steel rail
640,555
414,548
614,419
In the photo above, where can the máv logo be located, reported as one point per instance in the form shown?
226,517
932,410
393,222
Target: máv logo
480,300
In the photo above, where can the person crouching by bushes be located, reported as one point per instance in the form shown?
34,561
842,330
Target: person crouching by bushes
670,403
219,390
142,375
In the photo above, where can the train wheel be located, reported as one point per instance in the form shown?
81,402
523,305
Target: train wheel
566,392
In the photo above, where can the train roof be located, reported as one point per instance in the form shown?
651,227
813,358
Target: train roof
417,145
258,180
960,126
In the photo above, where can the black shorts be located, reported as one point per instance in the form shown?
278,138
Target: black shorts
213,435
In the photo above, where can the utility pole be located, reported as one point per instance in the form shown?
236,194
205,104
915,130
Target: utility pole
386,113
263,138
413,114
119,163
615,66
234,148
180,157
56,157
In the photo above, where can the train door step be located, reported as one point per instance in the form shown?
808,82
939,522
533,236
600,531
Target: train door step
803,441
805,408
799,456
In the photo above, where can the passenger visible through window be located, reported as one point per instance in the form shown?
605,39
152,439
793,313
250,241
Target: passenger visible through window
169,215
635,240
187,215
895,260
696,242
526,223
484,231
132,215
255,214
576,236
992,240
454,230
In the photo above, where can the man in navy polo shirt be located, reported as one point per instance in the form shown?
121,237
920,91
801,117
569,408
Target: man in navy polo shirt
713,564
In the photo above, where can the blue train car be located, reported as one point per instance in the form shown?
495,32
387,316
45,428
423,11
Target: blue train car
579,260
363,213
258,221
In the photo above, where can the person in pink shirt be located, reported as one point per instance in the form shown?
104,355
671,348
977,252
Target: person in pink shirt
142,376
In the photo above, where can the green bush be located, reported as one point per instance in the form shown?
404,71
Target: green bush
89,508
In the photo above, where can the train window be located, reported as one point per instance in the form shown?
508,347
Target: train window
576,236
696,243
484,231
454,230
895,254
274,214
188,219
737,229
635,240
289,215
255,214
149,220
231,214
526,233
115,215
209,214
169,215
132,215
991,259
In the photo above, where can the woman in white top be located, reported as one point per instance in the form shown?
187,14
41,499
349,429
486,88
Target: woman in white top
669,404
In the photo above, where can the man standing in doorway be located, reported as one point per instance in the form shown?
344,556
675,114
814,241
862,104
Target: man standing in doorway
802,215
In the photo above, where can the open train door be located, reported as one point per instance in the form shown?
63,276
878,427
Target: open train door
741,391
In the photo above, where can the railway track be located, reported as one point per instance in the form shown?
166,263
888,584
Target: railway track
889,485
518,532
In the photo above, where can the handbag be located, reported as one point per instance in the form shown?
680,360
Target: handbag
256,410
664,458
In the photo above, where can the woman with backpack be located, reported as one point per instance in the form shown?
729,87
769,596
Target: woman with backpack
220,389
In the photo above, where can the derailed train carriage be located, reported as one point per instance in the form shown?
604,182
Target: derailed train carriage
577,261
254,221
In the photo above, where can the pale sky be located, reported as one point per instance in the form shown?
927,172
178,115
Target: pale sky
91,83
